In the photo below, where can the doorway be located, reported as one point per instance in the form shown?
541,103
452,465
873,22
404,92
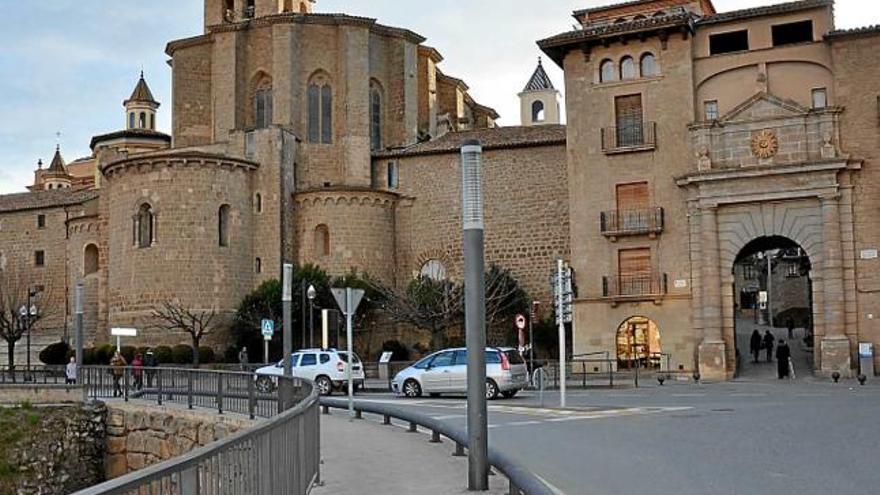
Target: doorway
638,344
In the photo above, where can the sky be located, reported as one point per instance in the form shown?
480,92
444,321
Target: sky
67,65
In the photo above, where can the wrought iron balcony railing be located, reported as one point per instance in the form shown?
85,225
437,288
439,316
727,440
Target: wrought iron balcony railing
617,223
639,136
636,285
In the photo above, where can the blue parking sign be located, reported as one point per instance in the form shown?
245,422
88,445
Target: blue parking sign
268,328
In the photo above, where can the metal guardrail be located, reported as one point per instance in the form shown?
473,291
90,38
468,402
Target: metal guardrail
279,455
616,223
522,481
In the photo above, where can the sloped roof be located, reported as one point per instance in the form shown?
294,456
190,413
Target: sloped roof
57,166
52,198
780,8
141,93
539,81
493,138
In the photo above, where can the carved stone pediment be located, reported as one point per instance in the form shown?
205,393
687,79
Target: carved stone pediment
764,106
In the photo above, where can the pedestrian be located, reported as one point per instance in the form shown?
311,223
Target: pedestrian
137,365
755,344
70,372
790,325
150,363
117,368
243,358
769,339
783,353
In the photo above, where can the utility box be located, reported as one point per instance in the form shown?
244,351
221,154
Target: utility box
866,359
384,360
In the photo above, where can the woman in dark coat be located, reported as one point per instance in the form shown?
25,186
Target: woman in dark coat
782,354
755,344
769,340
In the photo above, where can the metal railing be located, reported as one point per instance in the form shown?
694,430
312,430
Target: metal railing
522,481
37,374
632,222
279,455
634,136
637,285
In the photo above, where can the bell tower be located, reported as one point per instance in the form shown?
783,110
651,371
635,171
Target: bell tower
140,108
539,100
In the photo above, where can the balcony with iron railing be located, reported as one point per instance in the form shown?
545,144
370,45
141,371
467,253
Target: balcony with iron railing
635,287
644,221
624,138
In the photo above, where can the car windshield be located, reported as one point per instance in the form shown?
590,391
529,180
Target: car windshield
354,357
294,358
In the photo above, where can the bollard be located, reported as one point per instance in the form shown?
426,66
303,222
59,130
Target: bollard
661,379
459,450
862,379
835,376
386,420
325,409
413,428
358,414
435,437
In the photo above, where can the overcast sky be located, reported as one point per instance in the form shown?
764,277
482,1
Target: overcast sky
67,65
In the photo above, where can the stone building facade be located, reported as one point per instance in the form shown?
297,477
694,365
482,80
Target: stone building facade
296,137
696,138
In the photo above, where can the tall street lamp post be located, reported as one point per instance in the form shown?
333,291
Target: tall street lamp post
312,293
28,313
475,314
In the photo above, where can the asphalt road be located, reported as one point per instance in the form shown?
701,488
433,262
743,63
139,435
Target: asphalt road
685,439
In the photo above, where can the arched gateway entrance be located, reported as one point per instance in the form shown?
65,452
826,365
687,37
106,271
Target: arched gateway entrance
638,344
773,300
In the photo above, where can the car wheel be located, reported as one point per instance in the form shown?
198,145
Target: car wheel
265,384
325,386
491,389
411,388
510,394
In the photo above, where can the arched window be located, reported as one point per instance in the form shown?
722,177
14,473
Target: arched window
90,260
258,203
144,226
322,240
320,109
223,225
538,111
258,265
303,9
131,120
375,118
433,269
143,120
648,65
627,68
262,101
606,71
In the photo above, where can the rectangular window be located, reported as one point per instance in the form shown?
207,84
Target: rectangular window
793,32
736,41
263,108
634,270
39,258
250,144
41,221
258,265
393,179
710,110
820,98
630,127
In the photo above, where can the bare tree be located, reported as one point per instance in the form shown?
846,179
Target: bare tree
14,290
174,316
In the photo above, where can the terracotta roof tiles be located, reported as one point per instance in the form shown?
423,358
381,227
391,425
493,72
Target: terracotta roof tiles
492,139
53,198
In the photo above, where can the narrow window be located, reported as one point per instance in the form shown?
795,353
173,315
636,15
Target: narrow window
250,9
314,104
258,203
258,265
288,6
736,41
606,71
152,122
144,226
627,68
820,98
39,258
320,113
630,128
143,120
322,240
131,118
375,120
263,108
393,180
223,225
41,221
326,114
710,110
538,111
250,144
791,33
648,65
90,259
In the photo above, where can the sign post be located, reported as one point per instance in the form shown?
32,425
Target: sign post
348,300
122,332
267,326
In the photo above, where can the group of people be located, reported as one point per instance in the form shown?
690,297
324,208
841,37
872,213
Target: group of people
766,343
117,371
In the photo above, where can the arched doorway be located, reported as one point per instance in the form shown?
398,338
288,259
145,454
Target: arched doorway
638,344
773,292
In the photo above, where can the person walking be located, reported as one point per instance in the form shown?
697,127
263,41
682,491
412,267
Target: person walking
117,368
70,372
243,358
768,345
790,326
783,355
151,363
137,371
755,344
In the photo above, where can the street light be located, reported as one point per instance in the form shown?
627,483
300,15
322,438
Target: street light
311,293
29,313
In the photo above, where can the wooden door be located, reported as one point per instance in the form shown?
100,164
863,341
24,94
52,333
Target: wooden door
633,205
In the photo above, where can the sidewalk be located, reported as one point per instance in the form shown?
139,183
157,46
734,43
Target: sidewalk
363,456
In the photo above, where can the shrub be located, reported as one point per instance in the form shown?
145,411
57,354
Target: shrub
104,353
182,354
231,354
55,353
398,350
90,356
128,353
206,355
164,354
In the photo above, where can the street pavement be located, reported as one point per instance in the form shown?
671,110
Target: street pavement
747,436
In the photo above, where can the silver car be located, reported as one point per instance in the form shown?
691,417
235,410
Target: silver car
445,372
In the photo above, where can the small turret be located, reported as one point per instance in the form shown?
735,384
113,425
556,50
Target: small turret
140,107
56,176
539,100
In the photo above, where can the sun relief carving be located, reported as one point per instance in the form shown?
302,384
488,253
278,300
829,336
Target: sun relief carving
765,144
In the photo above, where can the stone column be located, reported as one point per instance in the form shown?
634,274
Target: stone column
835,344
713,363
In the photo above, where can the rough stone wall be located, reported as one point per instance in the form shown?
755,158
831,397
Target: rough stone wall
86,228
138,437
192,96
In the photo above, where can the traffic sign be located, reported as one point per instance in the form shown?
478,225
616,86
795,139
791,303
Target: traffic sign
341,300
268,328
520,322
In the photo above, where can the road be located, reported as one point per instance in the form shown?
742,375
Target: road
742,437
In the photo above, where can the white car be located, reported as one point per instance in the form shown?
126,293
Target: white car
446,372
325,367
